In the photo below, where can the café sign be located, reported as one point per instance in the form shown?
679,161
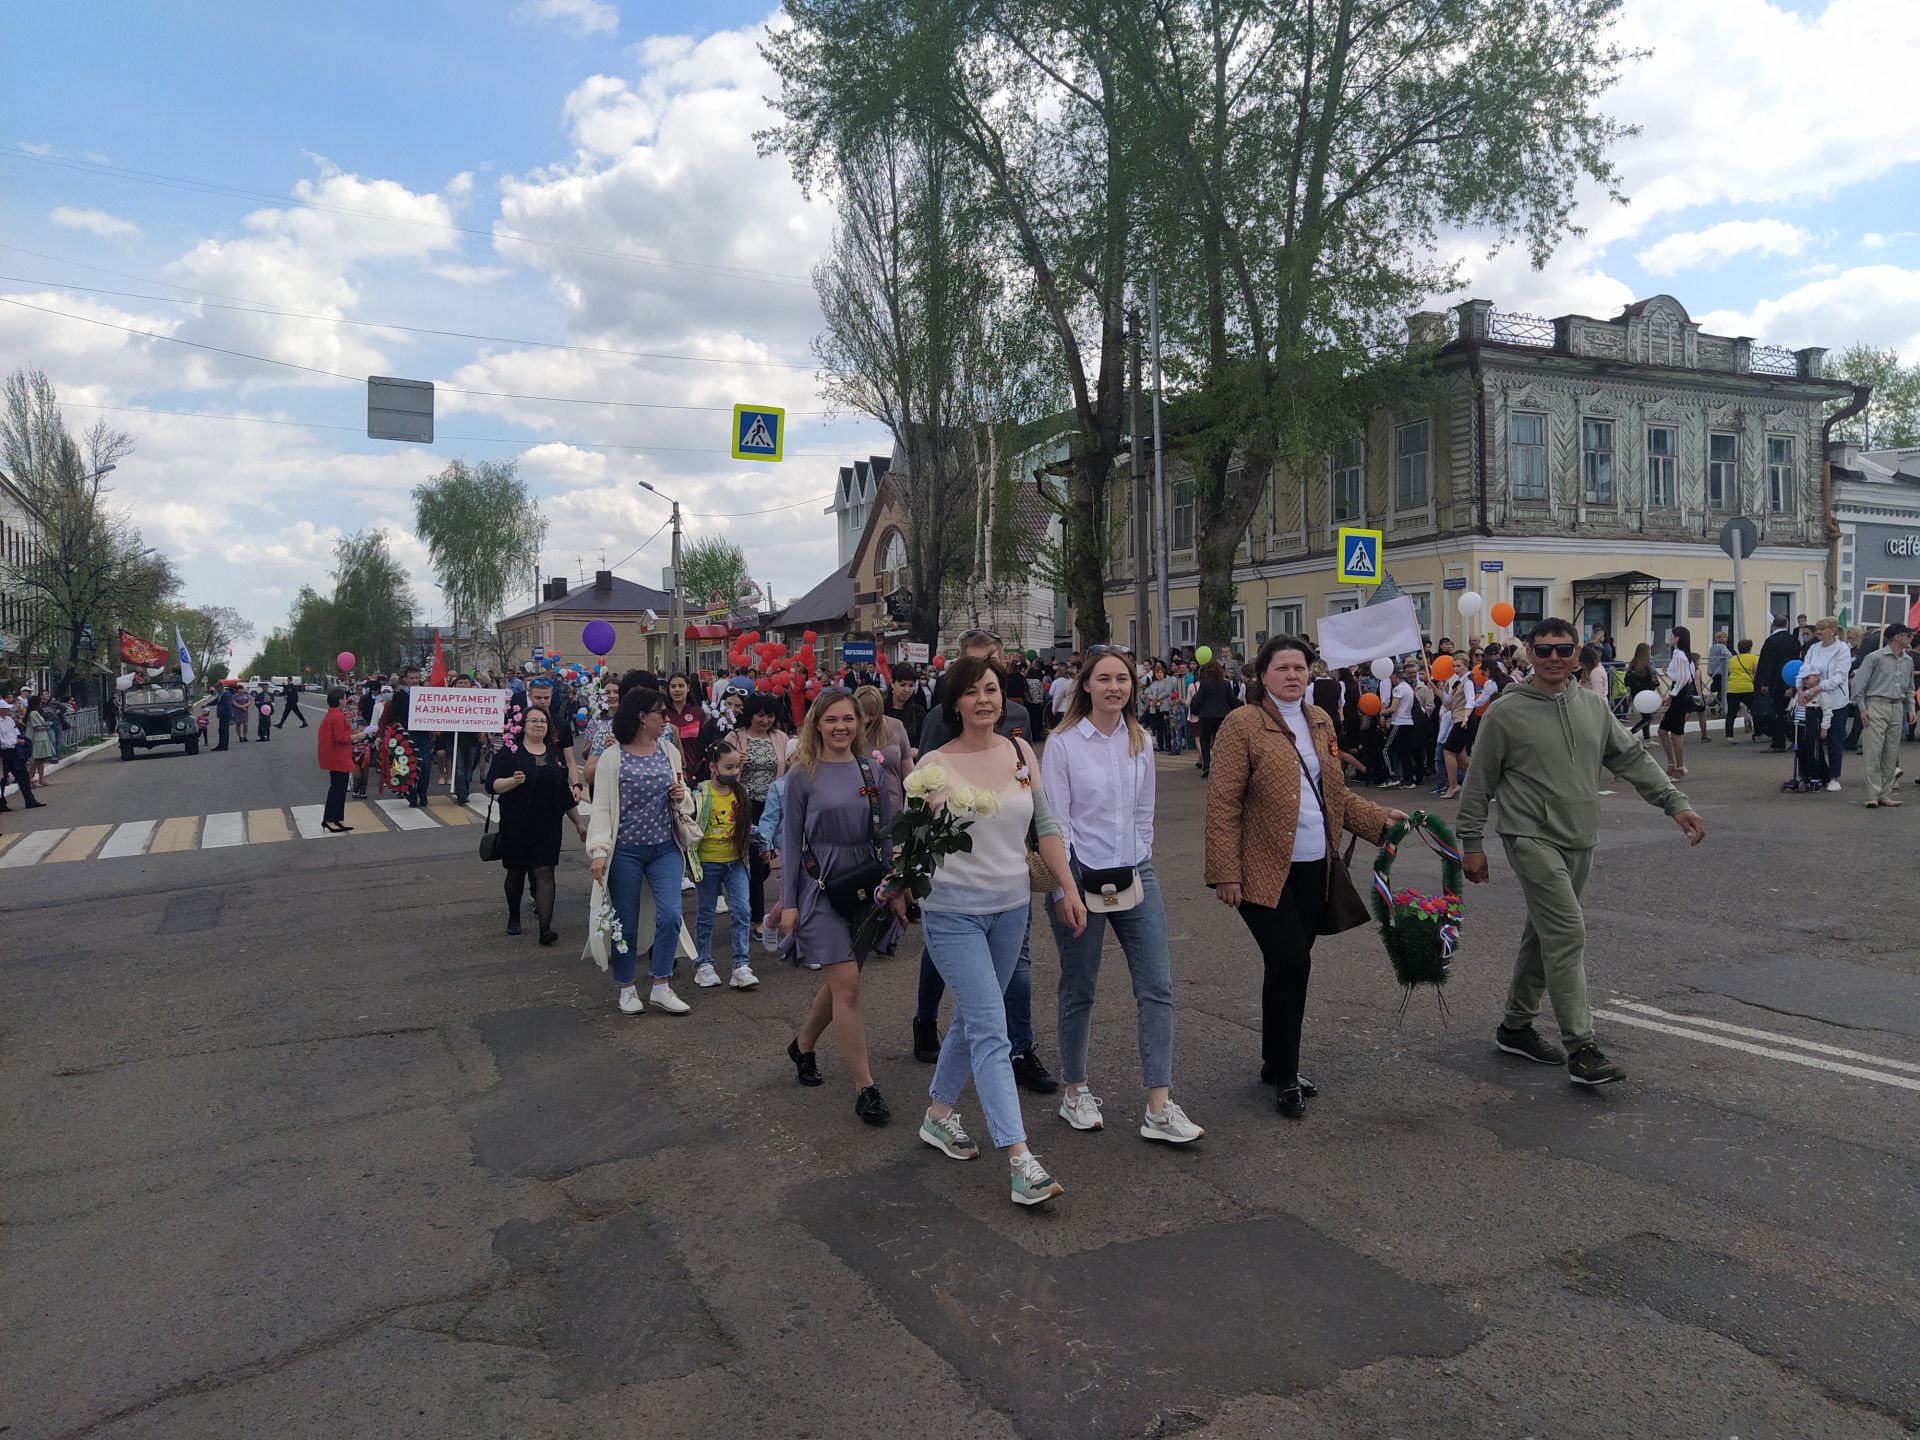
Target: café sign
1906,546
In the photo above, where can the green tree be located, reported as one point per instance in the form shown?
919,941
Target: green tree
710,567
483,531
1891,420
372,609
209,630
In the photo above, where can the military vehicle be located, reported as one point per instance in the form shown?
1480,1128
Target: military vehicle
153,715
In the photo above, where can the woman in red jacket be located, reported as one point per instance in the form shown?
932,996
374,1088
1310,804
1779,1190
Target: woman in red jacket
336,758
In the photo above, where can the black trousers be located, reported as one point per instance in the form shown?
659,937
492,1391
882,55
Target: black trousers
757,872
1285,934
1206,729
1737,699
336,807
292,712
13,765
226,727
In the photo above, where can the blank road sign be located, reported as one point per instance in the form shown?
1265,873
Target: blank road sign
759,432
399,409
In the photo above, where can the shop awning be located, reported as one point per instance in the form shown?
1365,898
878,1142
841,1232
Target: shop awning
717,631
1636,585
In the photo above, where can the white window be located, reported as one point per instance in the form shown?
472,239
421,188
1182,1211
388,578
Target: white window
1410,466
1183,629
1347,482
856,518
1723,459
1662,444
893,551
1341,604
1285,617
1780,474
1422,610
1529,608
1529,458
1596,461
1183,515
1240,629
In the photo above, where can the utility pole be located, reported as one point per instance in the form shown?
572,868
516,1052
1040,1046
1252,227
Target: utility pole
679,598
1142,515
1159,471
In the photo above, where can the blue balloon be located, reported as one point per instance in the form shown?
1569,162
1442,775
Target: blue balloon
581,714
1790,672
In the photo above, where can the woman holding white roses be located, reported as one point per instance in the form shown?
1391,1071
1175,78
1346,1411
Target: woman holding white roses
976,914
1099,779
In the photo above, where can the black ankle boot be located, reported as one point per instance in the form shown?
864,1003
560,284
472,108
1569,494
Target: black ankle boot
513,922
806,1067
870,1107
926,1040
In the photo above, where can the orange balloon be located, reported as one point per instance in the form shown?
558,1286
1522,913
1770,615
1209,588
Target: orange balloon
1502,613
1442,667
1479,676
1369,704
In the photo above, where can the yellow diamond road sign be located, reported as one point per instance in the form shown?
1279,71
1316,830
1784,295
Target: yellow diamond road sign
1359,557
759,432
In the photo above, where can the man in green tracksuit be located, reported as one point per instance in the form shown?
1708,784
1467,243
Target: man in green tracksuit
1539,753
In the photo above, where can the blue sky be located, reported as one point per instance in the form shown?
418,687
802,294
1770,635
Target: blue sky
1773,192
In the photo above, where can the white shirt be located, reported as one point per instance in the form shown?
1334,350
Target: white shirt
1680,670
9,727
1402,704
1058,693
1101,793
1831,662
1310,829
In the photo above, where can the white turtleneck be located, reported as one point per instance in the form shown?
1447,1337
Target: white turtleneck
1310,829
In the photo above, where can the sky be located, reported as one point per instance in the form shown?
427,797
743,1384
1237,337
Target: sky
569,182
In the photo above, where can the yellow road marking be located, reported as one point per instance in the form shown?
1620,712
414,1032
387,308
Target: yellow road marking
80,843
364,817
449,811
266,826
180,833
6,840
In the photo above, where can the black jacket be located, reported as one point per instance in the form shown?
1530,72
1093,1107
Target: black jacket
1775,652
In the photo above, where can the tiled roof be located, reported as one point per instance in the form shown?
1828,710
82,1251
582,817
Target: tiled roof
623,597
831,599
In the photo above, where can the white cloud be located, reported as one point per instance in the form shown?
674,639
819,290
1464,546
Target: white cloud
1873,240
583,17
470,274
96,222
1717,244
35,147
1877,304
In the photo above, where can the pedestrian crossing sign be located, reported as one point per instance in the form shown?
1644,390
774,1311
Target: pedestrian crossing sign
759,432
1360,557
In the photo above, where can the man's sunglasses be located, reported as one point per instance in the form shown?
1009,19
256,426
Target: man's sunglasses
1562,652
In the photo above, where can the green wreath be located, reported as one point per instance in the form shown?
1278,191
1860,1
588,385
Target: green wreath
1421,932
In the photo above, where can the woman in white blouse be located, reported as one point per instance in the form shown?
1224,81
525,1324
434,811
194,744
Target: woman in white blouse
1098,772
1683,695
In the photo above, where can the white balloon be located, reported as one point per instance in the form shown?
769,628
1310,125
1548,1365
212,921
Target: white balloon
1383,669
1470,603
1647,701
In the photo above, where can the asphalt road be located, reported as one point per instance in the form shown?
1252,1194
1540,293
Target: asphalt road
298,1143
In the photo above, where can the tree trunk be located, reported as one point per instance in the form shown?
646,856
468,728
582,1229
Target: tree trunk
1084,544
1222,518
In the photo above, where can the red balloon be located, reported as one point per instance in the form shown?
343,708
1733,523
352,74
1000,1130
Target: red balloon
765,685
809,636
939,662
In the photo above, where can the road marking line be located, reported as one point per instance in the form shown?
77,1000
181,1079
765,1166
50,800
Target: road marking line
306,821
1724,1042
31,849
80,843
363,815
180,833
227,828
6,842
265,827
130,839
405,816
1834,1050
450,811
478,803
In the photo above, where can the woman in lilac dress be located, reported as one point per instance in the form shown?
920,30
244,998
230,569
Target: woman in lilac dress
835,819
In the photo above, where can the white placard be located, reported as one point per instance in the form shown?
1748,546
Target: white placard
914,653
464,711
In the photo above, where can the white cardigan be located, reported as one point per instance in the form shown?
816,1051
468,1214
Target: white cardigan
603,825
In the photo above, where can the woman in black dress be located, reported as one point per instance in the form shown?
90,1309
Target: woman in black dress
531,783
1213,700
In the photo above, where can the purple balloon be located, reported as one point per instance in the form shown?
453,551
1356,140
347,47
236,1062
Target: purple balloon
597,636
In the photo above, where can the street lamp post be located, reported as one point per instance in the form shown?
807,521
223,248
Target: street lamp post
678,609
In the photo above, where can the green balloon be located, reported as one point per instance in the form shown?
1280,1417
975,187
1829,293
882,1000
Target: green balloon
1033,654
1204,654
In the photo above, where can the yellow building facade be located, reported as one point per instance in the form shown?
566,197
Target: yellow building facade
1573,467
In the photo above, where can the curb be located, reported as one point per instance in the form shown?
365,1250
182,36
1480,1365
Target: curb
8,790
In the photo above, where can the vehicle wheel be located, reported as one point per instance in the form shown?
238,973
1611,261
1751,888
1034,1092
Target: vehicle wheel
126,750
193,747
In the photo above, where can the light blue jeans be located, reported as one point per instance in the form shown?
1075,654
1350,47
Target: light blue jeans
660,867
1182,733
1143,939
733,876
975,955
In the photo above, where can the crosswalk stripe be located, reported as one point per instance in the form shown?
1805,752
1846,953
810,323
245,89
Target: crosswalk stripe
180,833
264,827
306,821
6,842
130,839
478,803
79,843
31,849
227,828
450,811
364,817
405,816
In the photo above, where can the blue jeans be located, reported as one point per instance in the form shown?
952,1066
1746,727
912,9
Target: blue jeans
732,874
1182,735
1143,939
1837,739
1019,994
658,867
976,956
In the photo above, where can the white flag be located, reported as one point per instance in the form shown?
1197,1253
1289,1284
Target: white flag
1370,633
186,656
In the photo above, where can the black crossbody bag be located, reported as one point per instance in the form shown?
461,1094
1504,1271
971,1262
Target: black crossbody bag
851,894
1344,910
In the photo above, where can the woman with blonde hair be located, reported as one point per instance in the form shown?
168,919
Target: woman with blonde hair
1099,775
833,830
882,735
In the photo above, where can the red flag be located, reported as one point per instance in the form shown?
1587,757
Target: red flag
1913,616
438,675
880,664
143,653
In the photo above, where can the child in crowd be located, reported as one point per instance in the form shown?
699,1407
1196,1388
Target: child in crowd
1811,721
720,808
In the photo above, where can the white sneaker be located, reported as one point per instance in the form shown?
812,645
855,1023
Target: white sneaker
1032,1185
743,978
1833,785
706,977
630,1001
1080,1108
1170,1125
663,998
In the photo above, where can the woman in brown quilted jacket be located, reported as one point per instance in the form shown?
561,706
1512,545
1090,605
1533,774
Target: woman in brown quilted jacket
1268,839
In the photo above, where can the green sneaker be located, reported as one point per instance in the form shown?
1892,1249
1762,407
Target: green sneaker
1032,1185
947,1137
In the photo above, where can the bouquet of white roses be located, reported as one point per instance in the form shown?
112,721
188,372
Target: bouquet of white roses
931,825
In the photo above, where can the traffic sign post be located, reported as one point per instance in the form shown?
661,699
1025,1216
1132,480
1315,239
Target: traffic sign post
1738,537
1359,556
759,432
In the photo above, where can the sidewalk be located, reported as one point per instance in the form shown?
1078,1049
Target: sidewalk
8,790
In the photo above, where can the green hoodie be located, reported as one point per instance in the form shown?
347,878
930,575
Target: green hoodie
1540,757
